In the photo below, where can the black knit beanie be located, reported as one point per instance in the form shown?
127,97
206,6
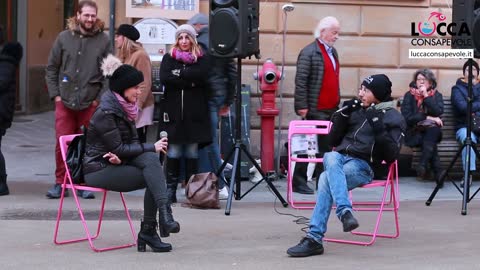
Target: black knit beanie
128,31
123,78
380,85
14,50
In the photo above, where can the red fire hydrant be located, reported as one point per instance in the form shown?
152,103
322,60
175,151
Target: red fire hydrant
268,76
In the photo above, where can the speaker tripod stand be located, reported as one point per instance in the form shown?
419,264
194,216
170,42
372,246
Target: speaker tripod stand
468,146
237,150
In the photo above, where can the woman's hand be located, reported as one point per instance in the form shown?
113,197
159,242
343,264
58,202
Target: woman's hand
161,145
112,158
437,120
422,90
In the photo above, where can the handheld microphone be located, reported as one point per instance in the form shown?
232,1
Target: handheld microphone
357,103
163,134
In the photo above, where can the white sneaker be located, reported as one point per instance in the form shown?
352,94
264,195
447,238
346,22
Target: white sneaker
223,193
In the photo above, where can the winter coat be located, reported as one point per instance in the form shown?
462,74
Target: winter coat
73,69
8,75
222,77
111,131
431,106
354,136
184,114
308,79
459,102
141,61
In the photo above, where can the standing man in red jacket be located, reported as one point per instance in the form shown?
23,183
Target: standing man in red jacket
317,88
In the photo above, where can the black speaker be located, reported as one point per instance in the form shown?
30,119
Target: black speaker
466,13
234,28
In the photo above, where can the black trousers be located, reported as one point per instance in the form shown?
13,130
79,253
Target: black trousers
140,172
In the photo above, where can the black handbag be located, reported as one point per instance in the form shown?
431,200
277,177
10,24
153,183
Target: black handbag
74,159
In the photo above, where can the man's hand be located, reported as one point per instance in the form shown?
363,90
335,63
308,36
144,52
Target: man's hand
303,113
352,105
58,98
375,119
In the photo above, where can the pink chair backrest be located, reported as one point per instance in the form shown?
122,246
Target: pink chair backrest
308,127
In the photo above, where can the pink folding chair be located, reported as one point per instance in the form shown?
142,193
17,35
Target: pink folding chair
301,127
388,203
68,183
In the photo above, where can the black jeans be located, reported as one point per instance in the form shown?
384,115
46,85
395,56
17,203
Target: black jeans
140,172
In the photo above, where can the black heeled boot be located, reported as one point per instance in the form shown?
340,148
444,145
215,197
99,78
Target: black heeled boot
148,236
173,171
3,185
167,223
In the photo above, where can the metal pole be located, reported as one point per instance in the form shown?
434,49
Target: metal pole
111,26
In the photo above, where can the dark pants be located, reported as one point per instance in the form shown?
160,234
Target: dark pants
143,171
68,122
3,170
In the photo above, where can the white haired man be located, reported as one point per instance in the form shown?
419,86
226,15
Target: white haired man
317,88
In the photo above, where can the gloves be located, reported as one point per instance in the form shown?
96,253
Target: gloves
375,119
352,105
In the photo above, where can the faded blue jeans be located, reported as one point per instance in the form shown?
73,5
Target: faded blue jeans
211,152
342,173
461,135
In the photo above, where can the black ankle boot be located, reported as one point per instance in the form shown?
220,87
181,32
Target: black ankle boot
173,170
3,185
167,223
148,236
427,154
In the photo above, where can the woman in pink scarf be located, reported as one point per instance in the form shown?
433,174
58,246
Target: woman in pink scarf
422,108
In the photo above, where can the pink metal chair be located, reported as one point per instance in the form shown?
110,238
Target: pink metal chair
389,191
68,183
300,127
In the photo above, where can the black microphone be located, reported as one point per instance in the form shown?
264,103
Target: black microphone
163,134
357,103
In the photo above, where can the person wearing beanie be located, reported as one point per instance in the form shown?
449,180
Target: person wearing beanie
131,52
317,91
10,57
222,79
422,109
184,109
74,79
116,160
367,131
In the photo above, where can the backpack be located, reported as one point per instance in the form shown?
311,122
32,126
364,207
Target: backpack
74,159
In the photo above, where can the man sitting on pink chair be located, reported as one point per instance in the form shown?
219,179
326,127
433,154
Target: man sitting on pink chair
366,131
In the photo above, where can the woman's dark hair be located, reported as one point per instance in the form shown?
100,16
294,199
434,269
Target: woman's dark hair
428,74
413,84
474,66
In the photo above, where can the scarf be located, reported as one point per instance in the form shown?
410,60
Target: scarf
419,98
185,57
130,109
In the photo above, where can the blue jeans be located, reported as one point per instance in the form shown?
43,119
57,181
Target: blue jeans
461,135
183,150
342,173
211,152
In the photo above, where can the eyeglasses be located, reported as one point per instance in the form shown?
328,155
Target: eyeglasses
421,80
